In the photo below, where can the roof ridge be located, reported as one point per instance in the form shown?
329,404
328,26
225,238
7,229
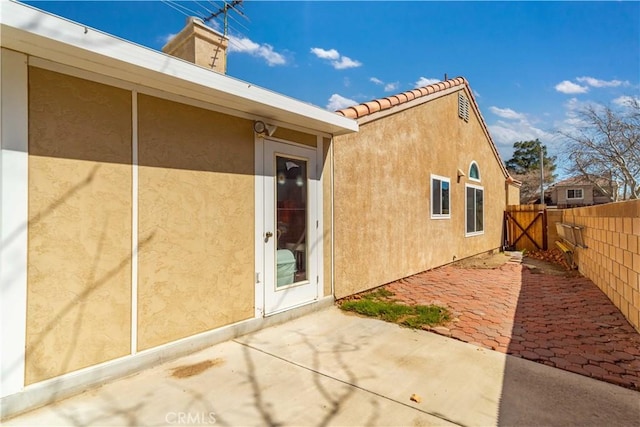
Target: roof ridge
380,104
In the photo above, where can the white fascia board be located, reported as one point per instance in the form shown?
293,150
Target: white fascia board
41,34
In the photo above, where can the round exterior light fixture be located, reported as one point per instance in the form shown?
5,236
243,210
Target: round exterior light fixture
259,127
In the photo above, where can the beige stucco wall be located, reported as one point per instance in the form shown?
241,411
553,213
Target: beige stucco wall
383,229
196,221
612,258
513,194
79,236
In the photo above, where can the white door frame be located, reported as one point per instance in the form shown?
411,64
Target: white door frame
315,234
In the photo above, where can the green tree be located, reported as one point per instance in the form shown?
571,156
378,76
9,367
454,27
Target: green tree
526,158
525,167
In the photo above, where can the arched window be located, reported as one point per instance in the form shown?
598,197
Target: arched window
474,172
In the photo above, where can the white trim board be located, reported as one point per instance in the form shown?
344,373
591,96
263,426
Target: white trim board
259,225
320,218
14,218
134,222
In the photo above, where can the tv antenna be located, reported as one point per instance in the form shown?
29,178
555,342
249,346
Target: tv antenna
225,11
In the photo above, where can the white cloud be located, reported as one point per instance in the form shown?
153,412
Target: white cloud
506,133
625,100
325,54
572,118
337,102
601,83
167,38
264,51
573,104
570,88
570,123
339,62
390,87
507,113
345,62
425,81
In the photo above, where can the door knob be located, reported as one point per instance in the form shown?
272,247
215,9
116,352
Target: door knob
267,236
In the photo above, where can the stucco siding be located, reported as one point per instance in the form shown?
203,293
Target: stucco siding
513,195
383,225
79,235
196,221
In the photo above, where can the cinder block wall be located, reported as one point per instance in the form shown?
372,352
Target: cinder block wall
612,257
553,216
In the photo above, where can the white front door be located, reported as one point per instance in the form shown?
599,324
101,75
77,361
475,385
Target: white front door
290,226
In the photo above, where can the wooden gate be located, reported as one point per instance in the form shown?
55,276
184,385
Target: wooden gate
526,227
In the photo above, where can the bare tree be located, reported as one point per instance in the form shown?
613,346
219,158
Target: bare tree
604,147
530,189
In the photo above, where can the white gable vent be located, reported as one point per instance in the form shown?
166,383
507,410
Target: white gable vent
463,107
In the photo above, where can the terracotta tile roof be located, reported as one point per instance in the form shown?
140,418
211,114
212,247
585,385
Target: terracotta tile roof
360,110
389,102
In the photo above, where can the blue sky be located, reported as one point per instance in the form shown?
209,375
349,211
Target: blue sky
530,64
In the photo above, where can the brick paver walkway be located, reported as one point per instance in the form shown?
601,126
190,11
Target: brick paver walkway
565,322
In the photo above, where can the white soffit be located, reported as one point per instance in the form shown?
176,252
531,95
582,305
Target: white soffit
29,30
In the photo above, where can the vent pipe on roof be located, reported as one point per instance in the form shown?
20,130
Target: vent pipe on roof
200,45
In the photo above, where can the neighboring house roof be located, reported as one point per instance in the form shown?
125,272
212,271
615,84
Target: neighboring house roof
394,103
581,180
46,36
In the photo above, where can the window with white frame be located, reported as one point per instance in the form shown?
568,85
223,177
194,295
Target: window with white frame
474,210
440,197
574,193
474,172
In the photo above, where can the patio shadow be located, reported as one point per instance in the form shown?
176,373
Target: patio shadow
566,322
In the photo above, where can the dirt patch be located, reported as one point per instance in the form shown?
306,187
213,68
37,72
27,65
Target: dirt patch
486,260
198,368
543,262
551,261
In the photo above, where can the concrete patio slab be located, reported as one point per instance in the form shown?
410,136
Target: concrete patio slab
331,368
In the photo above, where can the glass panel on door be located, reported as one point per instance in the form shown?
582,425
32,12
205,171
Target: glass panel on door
291,221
